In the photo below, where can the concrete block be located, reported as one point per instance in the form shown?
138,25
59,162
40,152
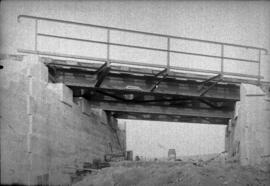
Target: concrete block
12,142
14,82
37,88
14,57
65,94
12,65
122,125
40,120
13,114
41,125
86,109
14,173
252,90
100,114
36,68
39,71
40,145
267,106
237,108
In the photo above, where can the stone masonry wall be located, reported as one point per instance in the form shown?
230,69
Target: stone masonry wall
44,133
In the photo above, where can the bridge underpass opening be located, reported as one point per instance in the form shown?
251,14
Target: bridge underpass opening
153,139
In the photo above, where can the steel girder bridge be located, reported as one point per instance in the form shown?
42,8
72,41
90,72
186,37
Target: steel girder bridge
147,91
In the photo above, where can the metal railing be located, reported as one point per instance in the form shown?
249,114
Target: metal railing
168,49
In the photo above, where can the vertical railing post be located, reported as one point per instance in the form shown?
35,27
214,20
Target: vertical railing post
168,54
36,31
108,47
259,68
222,60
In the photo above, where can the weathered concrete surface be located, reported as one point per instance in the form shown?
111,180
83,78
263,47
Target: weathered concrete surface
248,135
43,130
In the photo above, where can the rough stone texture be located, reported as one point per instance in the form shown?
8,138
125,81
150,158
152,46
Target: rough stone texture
42,130
249,132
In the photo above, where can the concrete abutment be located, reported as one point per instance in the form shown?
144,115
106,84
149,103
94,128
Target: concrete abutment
44,132
248,134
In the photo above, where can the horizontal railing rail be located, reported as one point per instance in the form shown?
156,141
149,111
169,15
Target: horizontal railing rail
168,50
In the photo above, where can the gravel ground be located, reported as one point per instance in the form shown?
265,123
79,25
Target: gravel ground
189,173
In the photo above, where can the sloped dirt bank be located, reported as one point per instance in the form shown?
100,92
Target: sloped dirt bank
177,173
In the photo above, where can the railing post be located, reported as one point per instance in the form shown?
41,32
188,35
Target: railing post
36,31
222,60
108,47
259,68
168,54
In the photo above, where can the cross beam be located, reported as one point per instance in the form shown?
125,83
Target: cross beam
169,118
168,86
161,110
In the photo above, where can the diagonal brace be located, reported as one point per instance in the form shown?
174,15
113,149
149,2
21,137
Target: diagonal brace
161,72
158,82
101,76
210,87
209,80
164,73
101,68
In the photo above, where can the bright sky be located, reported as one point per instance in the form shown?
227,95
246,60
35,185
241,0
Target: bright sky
153,139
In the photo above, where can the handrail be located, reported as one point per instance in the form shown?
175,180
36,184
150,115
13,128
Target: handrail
139,32
147,48
168,50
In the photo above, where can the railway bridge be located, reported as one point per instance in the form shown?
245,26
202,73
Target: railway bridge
132,89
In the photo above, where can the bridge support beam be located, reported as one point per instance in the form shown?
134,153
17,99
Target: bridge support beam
132,93
155,112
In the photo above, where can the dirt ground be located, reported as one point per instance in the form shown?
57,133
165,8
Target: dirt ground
186,173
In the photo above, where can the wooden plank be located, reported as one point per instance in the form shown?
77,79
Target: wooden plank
162,110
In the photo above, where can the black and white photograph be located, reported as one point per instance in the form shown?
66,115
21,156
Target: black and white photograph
134,93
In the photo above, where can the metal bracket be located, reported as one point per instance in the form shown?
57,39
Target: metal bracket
101,68
209,80
164,74
102,73
208,88
161,72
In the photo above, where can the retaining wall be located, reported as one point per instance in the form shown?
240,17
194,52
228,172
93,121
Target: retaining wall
44,132
248,134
